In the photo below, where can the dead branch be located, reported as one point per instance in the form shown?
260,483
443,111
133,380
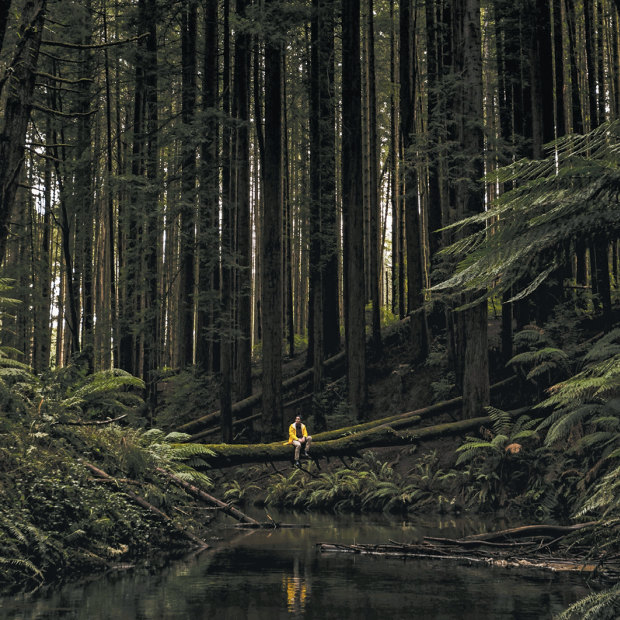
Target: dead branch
148,506
194,490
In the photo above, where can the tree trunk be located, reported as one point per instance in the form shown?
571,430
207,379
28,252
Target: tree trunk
242,174
187,277
373,169
207,348
226,312
271,245
21,80
352,209
471,324
415,282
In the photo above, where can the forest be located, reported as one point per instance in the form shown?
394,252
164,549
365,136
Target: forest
399,220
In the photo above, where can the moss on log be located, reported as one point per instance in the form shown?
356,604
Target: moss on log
399,420
225,455
256,399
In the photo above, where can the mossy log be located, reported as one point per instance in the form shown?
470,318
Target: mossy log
399,420
256,399
225,455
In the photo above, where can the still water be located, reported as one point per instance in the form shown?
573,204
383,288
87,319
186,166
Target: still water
279,574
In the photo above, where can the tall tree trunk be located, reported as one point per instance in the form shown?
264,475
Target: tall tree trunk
151,226
187,277
241,113
352,208
111,217
415,283
271,243
21,80
226,312
83,194
207,347
374,233
471,335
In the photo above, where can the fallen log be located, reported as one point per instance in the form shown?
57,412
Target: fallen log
399,420
532,530
428,552
210,499
148,506
501,555
256,399
225,455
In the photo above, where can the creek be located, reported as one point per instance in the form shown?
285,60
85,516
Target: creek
279,574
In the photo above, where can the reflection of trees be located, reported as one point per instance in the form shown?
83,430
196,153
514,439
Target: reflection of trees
296,590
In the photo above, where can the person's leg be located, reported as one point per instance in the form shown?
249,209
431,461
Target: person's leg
308,444
297,445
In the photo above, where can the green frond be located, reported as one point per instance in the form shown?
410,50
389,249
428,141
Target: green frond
184,451
561,428
21,565
598,606
502,421
595,439
473,448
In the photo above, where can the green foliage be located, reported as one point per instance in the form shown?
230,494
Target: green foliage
537,360
603,605
70,392
571,194
185,396
366,485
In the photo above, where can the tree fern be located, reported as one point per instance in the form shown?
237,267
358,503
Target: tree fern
571,194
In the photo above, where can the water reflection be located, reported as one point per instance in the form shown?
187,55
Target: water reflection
296,589
271,575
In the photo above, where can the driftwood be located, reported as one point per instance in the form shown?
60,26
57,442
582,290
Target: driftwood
194,490
153,509
531,550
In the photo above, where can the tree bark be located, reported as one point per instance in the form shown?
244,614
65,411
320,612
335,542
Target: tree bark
271,245
241,169
353,210
187,276
21,80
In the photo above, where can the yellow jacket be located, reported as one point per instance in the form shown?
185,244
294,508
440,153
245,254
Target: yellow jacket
292,432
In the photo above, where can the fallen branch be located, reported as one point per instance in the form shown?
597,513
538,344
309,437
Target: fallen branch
428,551
148,506
90,423
194,490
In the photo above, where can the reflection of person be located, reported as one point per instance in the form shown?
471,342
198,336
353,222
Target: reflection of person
296,591
298,436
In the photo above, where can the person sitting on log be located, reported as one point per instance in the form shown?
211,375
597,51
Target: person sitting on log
298,436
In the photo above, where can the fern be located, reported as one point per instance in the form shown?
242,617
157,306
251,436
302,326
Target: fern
24,566
603,605
571,194
502,421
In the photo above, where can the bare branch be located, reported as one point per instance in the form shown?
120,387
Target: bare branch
93,46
